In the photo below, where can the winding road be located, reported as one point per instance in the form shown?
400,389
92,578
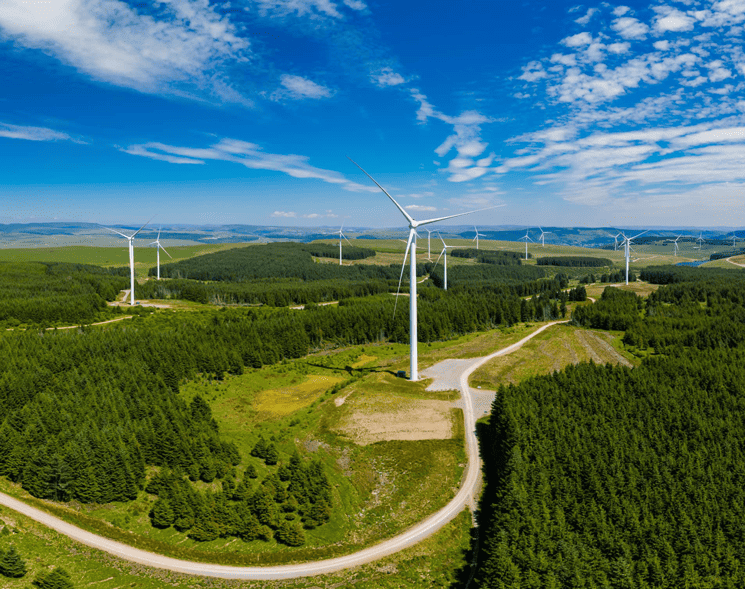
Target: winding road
457,372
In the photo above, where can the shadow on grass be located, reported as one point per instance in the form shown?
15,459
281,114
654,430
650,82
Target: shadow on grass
352,371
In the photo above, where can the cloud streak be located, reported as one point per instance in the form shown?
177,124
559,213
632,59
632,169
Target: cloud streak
247,154
34,133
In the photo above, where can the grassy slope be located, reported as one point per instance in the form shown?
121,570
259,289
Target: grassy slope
550,351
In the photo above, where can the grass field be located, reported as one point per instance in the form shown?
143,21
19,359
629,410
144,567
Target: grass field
431,563
145,257
639,287
550,351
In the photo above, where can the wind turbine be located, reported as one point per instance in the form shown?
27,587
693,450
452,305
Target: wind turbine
615,241
158,248
675,244
444,252
526,237
411,245
130,238
543,233
700,239
734,238
476,238
342,236
627,245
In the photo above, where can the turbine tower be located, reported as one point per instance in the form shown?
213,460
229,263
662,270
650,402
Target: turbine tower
476,238
411,246
526,237
627,245
342,236
444,252
429,239
159,247
130,238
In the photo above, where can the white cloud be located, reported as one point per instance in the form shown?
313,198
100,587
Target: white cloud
674,20
179,51
620,10
420,208
387,77
310,8
619,48
533,71
630,28
286,214
299,88
577,40
355,4
583,20
247,154
33,133
662,45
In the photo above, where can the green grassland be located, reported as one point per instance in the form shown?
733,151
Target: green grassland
145,257
431,563
550,351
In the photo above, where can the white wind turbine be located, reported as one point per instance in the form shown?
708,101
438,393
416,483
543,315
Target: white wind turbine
615,241
526,237
675,245
342,236
734,238
159,247
130,239
476,238
700,240
411,245
543,234
627,245
444,252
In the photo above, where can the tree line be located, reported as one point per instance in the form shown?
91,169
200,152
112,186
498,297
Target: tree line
574,261
43,293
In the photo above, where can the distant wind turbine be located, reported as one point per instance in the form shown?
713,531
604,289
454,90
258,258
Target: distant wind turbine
411,246
444,253
342,236
675,244
526,237
543,234
700,240
130,238
476,238
159,247
627,245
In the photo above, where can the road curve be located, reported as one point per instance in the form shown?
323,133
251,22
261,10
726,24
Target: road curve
410,537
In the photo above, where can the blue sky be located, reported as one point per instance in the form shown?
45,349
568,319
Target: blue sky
243,111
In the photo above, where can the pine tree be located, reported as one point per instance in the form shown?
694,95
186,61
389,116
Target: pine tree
59,578
271,456
11,563
162,515
291,533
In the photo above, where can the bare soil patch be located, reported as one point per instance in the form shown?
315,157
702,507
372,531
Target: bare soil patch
379,417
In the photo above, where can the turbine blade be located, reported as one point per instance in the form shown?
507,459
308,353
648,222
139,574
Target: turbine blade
145,225
164,249
428,221
438,257
441,239
158,238
115,231
409,218
403,267
638,234
345,239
